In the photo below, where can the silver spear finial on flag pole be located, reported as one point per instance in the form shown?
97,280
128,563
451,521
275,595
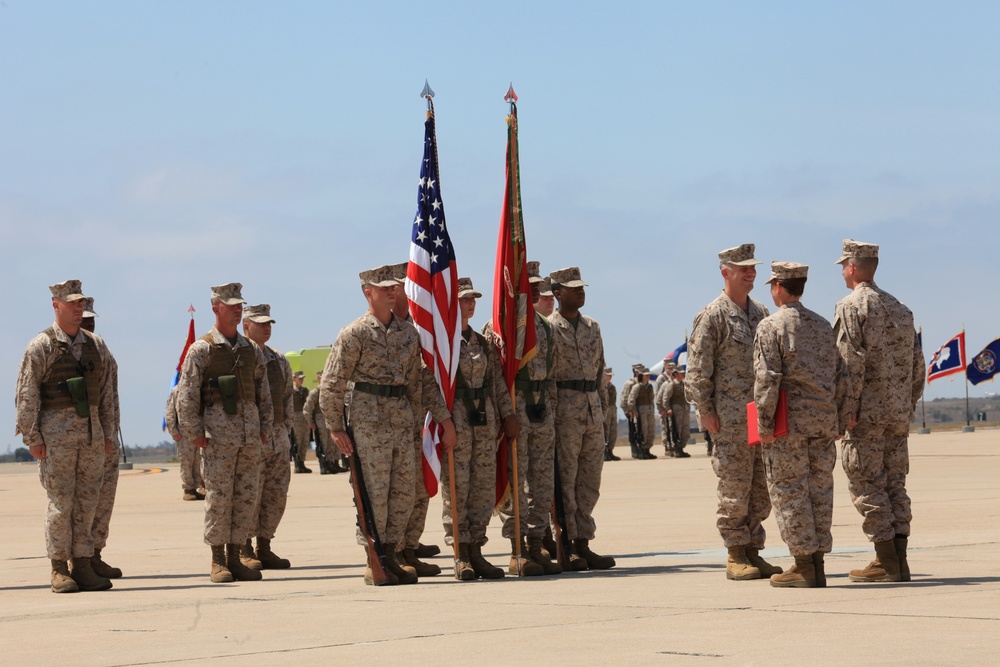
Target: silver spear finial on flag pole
428,94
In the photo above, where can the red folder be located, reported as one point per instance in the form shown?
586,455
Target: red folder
780,419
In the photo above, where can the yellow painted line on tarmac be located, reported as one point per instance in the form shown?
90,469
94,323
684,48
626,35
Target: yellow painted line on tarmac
141,471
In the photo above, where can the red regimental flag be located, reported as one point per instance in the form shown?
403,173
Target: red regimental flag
513,314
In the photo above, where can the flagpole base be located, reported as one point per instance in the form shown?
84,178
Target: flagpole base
968,429
923,431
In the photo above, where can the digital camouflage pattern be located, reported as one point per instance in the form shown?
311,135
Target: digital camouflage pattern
368,351
579,354
884,371
720,381
275,473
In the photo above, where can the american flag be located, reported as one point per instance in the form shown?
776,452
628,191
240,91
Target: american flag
432,291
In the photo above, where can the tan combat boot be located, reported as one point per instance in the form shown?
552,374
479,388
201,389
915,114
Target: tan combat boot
61,581
101,568
904,568
463,568
426,550
247,556
236,567
529,568
800,575
268,559
535,553
391,579
409,557
885,567
577,563
549,545
482,567
820,569
220,572
595,561
83,575
405,573
738,568
766,569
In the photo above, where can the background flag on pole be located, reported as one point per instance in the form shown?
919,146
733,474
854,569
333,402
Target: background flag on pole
513,313
432,291
949,359
675,356
180,364
984,365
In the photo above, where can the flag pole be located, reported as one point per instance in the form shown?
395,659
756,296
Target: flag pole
511,98
428,94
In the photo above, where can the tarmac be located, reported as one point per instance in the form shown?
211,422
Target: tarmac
667,601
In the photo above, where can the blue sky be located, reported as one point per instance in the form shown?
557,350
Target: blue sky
153,149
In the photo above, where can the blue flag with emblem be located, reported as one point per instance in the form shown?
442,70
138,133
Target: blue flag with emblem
984,365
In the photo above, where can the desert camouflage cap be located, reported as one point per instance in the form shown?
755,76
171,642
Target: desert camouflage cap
546,287
68,290
88,307
568,277
787,271
298,375
741,255
229,294
399,271
608,371
534,272
637,368
261,313
465,289
857,250
383,276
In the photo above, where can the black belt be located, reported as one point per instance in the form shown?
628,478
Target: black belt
475,394
577,385
390,390
531,385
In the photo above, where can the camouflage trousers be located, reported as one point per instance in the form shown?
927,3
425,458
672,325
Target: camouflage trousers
876,470
743,499
611,427
106,500
71,476
190,457
386,454
647,423
665,430
421,501
272,492
579,458
799,474
682,417
301,429
536,474
231,476
475,477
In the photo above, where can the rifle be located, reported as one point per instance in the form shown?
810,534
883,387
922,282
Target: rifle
294,454
366,519
632,438
561,537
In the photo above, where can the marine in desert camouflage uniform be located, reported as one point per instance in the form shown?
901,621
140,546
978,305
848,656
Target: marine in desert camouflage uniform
795,352
640,403
719,385
380,355
109,481
224,406
884,370
188,456
480,397
64,406
610,405
300,425
275,474
577,372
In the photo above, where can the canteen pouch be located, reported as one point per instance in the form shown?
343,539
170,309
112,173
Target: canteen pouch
228,390
477,417
77,388
535,413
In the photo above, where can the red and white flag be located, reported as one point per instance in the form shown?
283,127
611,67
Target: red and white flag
432,292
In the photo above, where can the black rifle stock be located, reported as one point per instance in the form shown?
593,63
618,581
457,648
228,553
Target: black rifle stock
366,519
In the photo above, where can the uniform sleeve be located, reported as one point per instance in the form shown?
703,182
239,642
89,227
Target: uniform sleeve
767,367
170,414
501,395
188,390
660,398
262,389
312,402
338,372
633,395
28,393
700,385
289,393
848,327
